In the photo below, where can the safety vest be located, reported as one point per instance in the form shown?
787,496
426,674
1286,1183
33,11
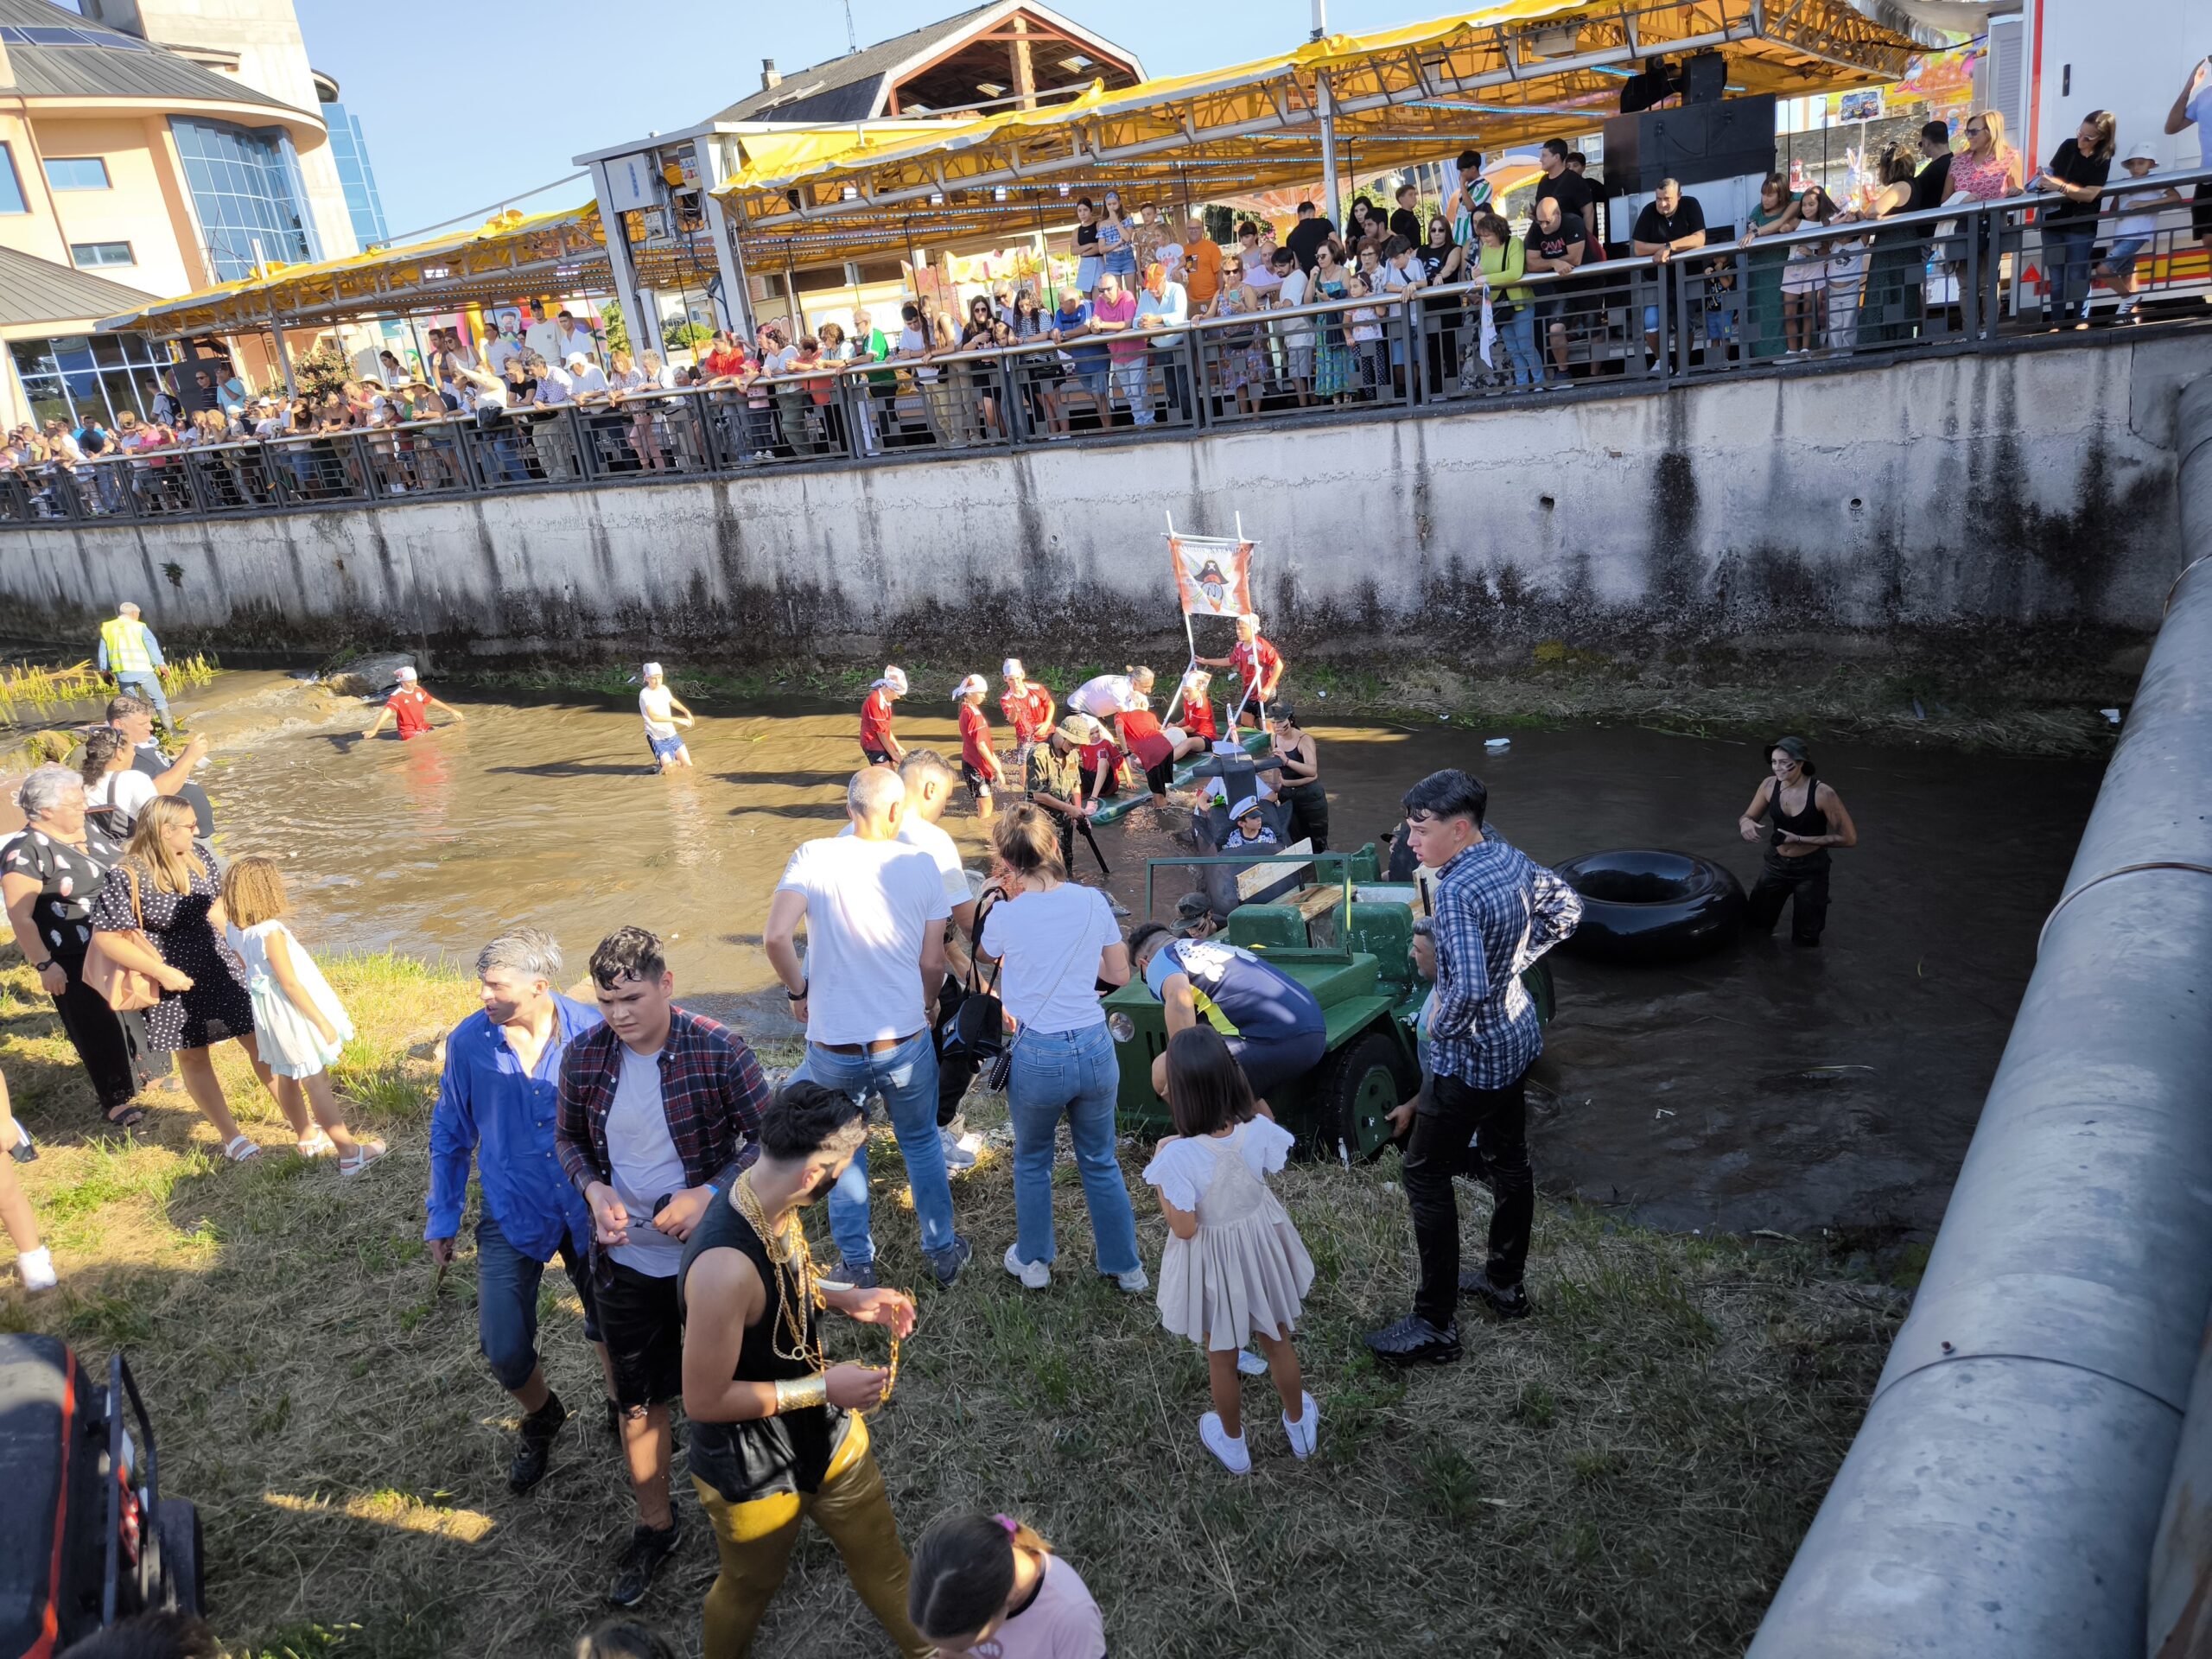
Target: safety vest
125,640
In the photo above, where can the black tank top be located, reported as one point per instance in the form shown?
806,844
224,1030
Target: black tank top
788,1453
1809,822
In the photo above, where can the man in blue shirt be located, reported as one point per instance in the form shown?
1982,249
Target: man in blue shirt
497,1102
1495,913
1087,363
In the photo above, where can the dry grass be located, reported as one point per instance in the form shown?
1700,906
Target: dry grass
1626,1473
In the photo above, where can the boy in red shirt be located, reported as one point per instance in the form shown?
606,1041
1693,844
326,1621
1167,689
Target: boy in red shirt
409,705
1260,664
979,761
876,741
1028,708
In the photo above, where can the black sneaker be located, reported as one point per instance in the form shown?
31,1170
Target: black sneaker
859,1275
640,1559
1510,1303
948,1262
537,1448
1414,1341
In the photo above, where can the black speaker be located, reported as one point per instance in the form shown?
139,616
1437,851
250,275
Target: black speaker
1724,139
1705,77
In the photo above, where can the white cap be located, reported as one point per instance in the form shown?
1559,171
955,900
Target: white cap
578,357
2144,151
1249,804
650,671
894,677
1197,676
1253,617
1012,669
403,674
972,685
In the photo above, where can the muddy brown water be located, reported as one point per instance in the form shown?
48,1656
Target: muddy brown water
1764,1086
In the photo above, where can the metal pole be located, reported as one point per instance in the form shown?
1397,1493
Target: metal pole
283,356
1329,192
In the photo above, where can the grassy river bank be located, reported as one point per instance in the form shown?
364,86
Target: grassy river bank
1627,1472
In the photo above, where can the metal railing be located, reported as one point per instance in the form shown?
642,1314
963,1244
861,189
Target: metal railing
1947,279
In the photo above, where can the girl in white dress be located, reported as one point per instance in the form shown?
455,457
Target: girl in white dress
298,1021
1235,1267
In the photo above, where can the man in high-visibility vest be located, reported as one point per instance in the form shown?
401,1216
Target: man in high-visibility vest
131,658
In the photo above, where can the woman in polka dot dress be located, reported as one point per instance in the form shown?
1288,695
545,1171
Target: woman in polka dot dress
167,883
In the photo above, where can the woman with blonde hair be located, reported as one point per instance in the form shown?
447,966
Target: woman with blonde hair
159,911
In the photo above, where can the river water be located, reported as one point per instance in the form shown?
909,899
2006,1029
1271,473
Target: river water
1764,1086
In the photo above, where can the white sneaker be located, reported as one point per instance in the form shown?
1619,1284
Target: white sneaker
1306,1431
1234,1458
1250,1361
36,1269
1133,1281
1034,1276
956,1157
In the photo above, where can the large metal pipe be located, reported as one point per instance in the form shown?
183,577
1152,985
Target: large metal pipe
2002,1495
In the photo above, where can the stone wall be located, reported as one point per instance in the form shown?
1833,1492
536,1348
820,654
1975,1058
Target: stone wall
2012,489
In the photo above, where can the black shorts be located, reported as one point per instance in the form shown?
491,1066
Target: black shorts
1161,776
2200,210
644,1333
1272,1062
875,757
978,785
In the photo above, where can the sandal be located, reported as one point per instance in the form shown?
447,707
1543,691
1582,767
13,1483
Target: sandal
369,1153
241,1149
129,1115
317,1145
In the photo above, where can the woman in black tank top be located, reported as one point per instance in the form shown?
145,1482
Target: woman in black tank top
1808,818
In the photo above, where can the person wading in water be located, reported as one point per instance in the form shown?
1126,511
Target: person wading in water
1809,818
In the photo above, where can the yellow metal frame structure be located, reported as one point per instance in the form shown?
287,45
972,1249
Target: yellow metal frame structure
1509,77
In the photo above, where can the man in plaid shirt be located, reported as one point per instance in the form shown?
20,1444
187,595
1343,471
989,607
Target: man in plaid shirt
660,1110
1495,913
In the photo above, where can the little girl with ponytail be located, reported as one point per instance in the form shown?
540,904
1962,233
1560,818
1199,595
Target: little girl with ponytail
985,1587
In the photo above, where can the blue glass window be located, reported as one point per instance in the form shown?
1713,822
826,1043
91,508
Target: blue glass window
77,376
76,172
350,152
11,187
247,195
90,256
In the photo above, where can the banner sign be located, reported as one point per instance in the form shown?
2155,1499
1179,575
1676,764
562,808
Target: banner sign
1213,577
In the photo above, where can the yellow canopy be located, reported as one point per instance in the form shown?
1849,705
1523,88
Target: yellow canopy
1513,75
507,256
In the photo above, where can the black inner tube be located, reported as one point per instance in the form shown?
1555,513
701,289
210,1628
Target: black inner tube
1633,886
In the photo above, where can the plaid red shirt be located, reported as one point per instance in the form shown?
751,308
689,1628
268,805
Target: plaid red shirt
711,1090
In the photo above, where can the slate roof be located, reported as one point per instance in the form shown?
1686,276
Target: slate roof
54,53
843,89
33,290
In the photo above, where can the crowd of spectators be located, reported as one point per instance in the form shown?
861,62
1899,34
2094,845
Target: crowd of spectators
1456,297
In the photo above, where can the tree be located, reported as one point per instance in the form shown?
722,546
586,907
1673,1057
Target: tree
321,373
618,331
1221,225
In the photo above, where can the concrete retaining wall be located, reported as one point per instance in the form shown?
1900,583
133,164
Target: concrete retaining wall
2021,488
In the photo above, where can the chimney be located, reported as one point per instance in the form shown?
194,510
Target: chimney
769,78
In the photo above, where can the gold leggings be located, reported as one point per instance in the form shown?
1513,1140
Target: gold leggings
755,1540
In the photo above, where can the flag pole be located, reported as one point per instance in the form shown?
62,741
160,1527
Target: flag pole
1189,637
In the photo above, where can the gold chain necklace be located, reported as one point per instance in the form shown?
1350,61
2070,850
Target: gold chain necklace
786,1244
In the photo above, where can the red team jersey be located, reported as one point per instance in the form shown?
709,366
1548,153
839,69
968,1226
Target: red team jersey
1140,730
410,707
875,722
1028,710
1197,719
975,742
1260,663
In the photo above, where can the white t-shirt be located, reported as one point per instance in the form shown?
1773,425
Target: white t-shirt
1183,1168
920,834
870,905
645,1165
1049,943
127,792
2138,221
1292,292
653,703
1106,696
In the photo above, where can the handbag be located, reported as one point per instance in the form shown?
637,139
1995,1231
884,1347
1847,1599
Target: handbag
972,1037
126,988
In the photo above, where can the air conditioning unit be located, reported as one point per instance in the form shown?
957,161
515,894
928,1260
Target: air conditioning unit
1560,41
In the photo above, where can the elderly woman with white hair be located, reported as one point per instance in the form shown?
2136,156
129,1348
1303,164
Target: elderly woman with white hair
48,876
664,711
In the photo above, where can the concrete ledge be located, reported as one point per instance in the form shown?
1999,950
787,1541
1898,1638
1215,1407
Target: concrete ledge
2003,488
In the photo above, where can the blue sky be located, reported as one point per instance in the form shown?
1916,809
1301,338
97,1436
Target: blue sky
461,106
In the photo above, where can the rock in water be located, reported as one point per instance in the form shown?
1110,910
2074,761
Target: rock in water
365,676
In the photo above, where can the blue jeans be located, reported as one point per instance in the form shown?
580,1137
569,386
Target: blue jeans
906,1078
141,682
1071,1073
506,1301
1519,334
2068,251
